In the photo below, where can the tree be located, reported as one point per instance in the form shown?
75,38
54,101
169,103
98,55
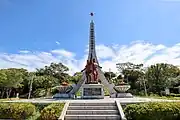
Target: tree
46,82
3,80
175,81
14,79
31,77
57,70
131,72
158,76
109,75
76,77
127,68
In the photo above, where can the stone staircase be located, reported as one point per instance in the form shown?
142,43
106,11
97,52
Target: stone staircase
92,111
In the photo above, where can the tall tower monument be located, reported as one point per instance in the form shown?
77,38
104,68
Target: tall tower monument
92,46
93,78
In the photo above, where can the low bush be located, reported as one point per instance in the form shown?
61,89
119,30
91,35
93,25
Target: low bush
40,106
17,111
153,111
52,111
174,95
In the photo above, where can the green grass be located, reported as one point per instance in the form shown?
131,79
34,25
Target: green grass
106,92
10,99
78,93
1,100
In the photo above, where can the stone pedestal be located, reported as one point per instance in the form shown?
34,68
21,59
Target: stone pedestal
121,91
63,92
92,91
61,95
124,95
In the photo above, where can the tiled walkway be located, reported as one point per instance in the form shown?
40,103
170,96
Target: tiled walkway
121,100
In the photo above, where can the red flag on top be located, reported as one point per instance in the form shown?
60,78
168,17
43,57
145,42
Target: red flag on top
91,14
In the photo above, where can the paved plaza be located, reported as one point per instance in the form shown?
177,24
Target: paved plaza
106,99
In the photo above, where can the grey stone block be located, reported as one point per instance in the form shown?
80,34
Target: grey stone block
124,95
59,95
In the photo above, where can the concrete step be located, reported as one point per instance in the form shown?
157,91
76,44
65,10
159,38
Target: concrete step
92,108
92,104
92,112
92,117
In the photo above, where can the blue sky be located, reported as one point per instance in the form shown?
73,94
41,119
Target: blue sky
39,26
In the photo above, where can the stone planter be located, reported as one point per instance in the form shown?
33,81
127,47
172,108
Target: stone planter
122,88
62,89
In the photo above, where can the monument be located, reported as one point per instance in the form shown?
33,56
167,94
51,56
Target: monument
93,80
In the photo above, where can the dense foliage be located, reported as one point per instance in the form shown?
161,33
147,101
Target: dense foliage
158,76
43,81
153,79
17,111
32,84
153,111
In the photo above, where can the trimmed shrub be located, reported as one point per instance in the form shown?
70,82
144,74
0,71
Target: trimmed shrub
17,111
174,95
52,111
40,106
153,111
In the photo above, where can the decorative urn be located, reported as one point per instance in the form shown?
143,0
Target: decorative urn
122,87
63,88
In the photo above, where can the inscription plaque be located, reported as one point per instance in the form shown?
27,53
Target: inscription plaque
92,91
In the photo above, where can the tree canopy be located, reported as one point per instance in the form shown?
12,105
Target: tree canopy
41,82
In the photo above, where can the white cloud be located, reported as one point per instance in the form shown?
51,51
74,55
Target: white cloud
58,43
24,51
136,52
105,52
63,53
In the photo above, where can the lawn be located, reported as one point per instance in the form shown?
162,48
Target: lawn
10,99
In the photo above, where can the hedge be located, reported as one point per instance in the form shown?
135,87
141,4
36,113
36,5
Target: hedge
40,106
153,111
52,111
17,111
174,95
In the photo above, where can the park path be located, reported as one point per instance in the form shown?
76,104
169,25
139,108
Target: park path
106,99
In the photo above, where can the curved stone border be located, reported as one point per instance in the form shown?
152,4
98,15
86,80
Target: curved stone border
63,113
122,115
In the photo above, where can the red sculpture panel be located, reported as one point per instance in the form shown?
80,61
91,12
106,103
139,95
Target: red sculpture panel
91,71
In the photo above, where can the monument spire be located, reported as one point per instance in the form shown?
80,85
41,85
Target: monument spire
92,49
93,78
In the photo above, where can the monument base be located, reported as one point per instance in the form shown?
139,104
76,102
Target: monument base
124,95
113,95
61,95
92,91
